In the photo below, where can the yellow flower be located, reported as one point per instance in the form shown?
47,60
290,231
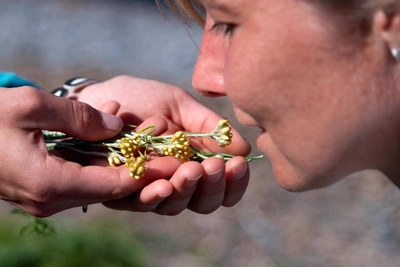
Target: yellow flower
129,145
114,160
223,123
224,137
179,147
140,143
180,138
136,167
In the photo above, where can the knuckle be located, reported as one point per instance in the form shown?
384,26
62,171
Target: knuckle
119,189
119,193
83,114
32,101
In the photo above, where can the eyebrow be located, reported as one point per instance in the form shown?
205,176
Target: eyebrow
214,3
221,5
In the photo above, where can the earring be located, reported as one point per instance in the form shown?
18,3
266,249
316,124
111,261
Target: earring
395,53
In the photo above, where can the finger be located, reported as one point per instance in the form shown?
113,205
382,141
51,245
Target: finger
164,197
146,200
43,110
160,125
237,180
204,120
110,107
239,145
184,182
98,161
210,190
72,185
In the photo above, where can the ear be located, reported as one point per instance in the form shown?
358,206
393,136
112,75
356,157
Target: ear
386,23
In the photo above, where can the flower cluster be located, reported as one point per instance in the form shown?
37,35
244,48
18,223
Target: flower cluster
136,167
131,148
129,145
179,147
223,133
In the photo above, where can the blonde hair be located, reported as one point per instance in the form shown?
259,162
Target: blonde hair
190,10
186,10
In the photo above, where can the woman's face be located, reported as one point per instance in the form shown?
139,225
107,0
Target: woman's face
319,100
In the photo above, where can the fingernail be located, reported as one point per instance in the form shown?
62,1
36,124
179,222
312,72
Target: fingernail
239,171
162,196
112,122
215,176
190,182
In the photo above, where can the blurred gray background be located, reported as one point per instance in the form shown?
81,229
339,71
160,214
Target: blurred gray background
353,223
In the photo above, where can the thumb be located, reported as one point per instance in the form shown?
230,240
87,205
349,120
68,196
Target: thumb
49,112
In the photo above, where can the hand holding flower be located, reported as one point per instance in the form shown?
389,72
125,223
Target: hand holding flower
214,181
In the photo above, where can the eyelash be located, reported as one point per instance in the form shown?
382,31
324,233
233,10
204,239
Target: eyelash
225,28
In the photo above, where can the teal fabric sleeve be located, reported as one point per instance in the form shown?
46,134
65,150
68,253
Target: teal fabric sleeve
10,79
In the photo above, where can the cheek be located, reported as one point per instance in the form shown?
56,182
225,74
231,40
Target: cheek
315,147
312,122
307,92
262,76
245,78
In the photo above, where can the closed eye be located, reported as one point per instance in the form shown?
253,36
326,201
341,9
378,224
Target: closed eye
224,28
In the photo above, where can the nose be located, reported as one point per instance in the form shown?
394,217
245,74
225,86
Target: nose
208,78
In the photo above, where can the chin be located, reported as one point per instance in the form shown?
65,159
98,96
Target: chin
295,181
298,175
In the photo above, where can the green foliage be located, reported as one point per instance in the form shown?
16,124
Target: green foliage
36,225
92,244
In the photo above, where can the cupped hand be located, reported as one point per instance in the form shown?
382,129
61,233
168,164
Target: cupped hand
200,187
41,183
141,99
